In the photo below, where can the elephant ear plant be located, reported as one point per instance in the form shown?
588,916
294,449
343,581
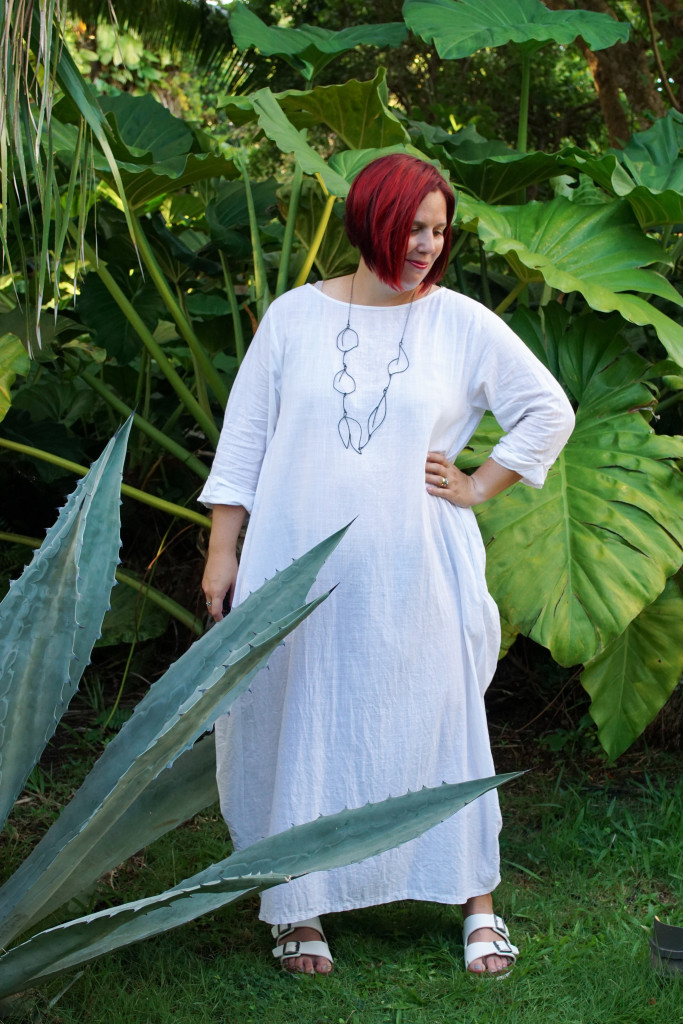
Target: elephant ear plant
159,769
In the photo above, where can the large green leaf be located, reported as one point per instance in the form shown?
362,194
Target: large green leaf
337,172
652,157
307,48
598,251
329,842
228,212
571,565
174,713
52,615
106,321
487,170
148,127
648,172
13,360
358,112
22,323
459,28
631,680
157,152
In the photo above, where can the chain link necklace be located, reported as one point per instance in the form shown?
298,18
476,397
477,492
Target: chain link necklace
350,430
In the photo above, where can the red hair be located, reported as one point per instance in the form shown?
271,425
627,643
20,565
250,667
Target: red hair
381,208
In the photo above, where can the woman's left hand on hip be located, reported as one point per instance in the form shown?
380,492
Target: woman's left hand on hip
444,480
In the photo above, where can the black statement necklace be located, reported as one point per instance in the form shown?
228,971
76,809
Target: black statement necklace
350,430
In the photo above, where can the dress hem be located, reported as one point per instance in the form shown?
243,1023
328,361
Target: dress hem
334,907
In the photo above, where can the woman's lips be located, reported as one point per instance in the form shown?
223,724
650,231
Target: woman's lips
417,264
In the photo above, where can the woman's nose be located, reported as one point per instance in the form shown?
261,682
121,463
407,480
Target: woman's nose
425,242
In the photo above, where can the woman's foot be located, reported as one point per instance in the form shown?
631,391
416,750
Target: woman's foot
307,939
497,962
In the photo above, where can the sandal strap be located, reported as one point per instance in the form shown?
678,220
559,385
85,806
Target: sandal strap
498,947
492,921
293,948
279,931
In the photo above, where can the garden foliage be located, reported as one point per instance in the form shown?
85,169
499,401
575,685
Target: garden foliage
159,769
160,252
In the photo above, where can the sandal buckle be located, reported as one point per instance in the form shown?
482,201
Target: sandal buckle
294,951
503,947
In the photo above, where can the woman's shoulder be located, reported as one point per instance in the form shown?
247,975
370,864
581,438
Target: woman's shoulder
466,311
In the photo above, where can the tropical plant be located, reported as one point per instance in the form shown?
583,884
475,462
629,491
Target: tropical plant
586,272
157,771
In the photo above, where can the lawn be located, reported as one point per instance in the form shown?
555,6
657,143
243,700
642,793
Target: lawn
589,857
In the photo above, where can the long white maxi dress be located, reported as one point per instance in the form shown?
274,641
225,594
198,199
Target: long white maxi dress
381,689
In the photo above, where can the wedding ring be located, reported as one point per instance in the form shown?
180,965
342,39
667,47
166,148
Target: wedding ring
444,481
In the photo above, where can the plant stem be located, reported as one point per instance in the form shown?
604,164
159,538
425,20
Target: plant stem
234,309
523,125
317,241
260,278
131,492
287,241
671,400
181,320
664,78
175,449
183,392
163,601
485,287
510,297
154,595
460,275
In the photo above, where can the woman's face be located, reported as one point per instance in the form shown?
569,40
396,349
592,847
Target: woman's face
426,240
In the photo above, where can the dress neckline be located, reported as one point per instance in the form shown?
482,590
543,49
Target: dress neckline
358,305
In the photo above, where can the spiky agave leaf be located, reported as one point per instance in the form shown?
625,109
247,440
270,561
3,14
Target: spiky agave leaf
175,712
182,790
329,842
52,616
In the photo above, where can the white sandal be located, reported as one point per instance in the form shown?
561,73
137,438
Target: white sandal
293,948
478,950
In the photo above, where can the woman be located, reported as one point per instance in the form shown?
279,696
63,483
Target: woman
354,399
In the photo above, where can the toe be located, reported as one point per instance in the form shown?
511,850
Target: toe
495,964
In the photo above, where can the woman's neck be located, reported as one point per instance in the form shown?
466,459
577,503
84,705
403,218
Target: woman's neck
368,290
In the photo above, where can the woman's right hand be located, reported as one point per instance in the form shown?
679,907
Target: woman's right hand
220,572
218,583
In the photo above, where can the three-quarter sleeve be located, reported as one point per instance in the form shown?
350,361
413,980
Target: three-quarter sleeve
525,398
249,423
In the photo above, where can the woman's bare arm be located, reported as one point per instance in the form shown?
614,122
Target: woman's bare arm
220,571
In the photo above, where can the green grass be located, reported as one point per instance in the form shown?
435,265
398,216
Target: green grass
587,864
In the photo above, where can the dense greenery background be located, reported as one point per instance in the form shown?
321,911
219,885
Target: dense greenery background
162,180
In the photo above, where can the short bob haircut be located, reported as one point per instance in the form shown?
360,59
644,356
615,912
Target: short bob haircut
381,208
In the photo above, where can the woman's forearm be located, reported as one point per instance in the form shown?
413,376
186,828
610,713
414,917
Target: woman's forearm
490,479
226,523
220,572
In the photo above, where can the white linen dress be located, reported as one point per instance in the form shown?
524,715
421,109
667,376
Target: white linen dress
381,689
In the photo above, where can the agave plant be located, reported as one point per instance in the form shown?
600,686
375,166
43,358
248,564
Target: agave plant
605,247
159,769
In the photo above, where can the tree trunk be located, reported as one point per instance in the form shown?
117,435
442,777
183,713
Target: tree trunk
623,70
